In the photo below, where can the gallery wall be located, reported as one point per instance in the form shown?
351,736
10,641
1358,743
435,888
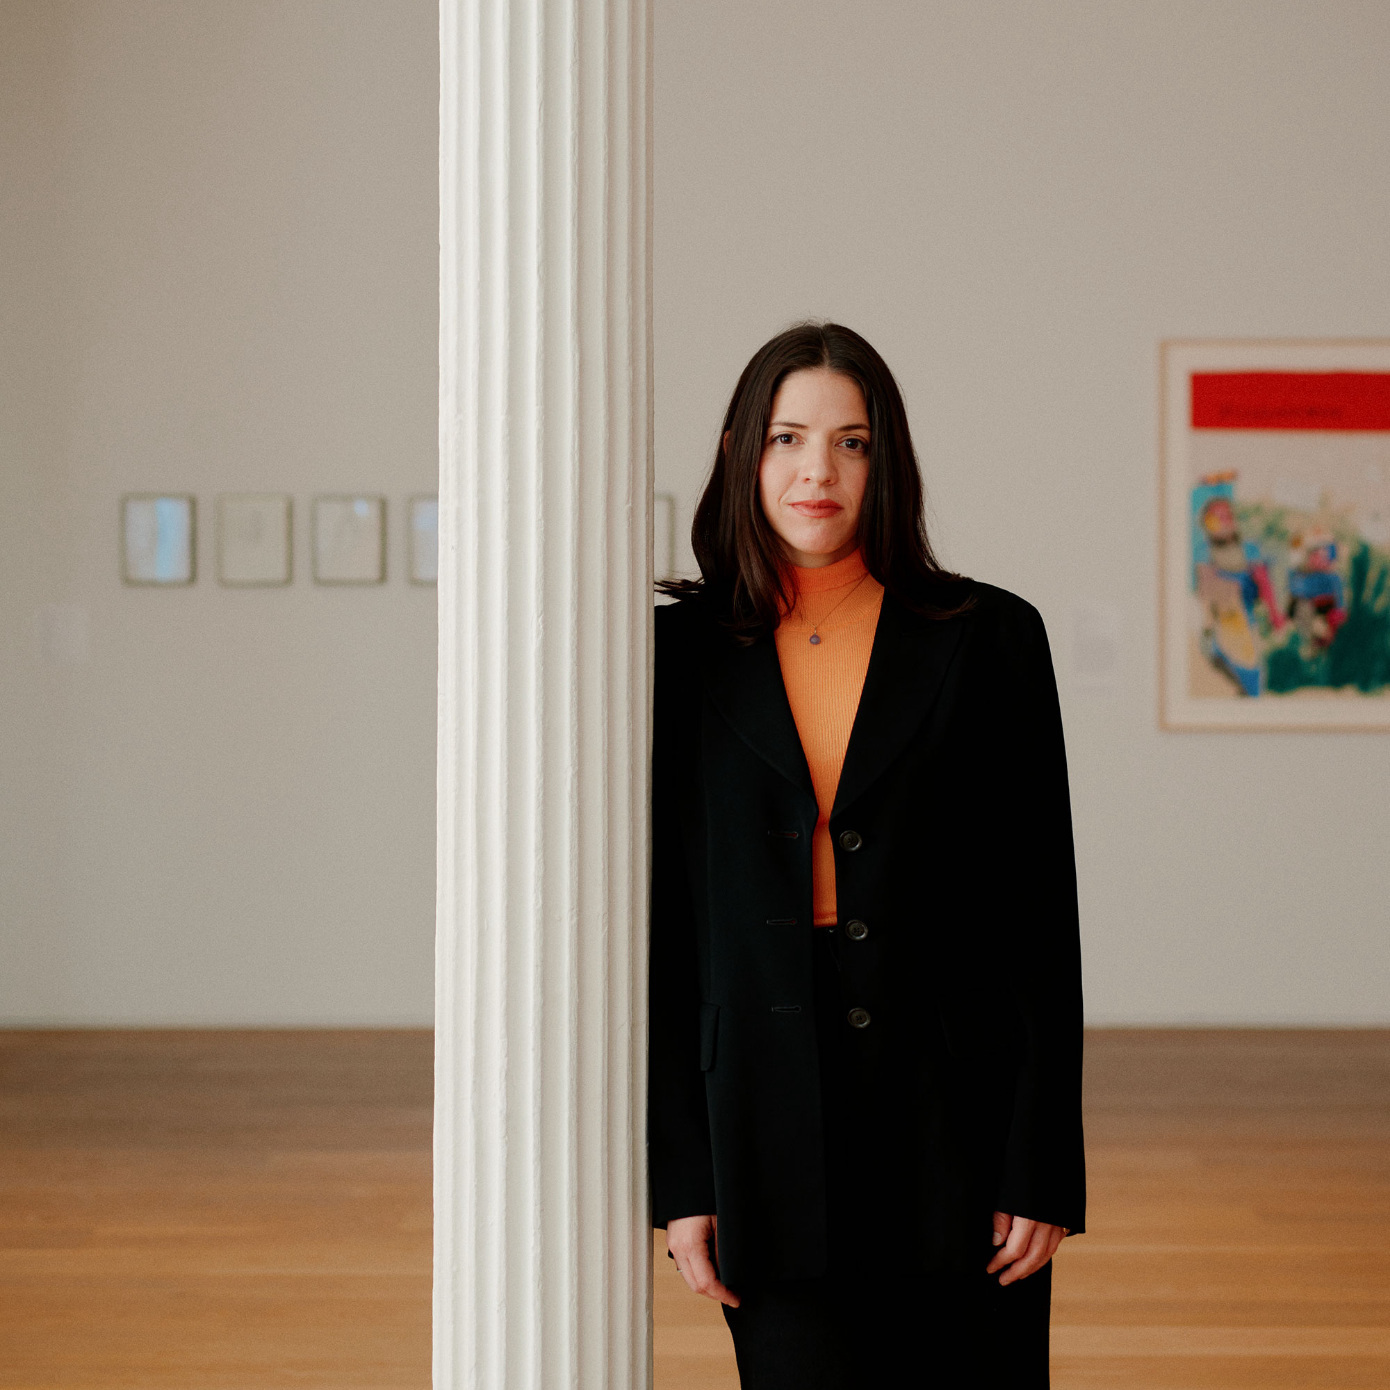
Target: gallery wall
1016,203
218,268
219,260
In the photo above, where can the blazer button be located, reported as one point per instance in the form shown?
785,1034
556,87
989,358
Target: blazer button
850,840
859,1018
856,930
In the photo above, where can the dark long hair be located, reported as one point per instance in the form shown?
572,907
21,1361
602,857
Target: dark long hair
744,571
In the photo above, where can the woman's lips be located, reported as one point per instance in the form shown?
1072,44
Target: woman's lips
816,508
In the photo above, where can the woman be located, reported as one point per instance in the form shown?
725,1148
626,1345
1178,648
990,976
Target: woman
865,1119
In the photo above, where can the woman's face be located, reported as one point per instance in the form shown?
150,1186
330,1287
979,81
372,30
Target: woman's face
815,465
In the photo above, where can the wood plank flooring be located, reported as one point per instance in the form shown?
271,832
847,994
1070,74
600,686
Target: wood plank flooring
215,1211
1240,1196
250,1211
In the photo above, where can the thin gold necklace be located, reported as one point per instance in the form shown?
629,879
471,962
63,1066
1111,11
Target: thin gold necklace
815,627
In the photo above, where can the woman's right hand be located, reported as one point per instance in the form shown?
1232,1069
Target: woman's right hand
688,1239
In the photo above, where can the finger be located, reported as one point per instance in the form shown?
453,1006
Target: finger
1032,1258
1002,1221
686,1254
1020,1233
1040,1250
1003,1224
700,1276
680,1249
693,1264
685,1267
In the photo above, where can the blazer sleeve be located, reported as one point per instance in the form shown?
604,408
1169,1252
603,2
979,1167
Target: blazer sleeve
1044,1177
678,1136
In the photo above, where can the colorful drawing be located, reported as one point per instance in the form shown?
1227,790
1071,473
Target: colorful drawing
1231,580
1277,523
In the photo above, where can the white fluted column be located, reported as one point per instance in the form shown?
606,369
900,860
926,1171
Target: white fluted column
542,1248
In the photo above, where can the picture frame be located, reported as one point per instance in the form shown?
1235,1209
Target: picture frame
348,534
255,539
159,534
422,521
1274,535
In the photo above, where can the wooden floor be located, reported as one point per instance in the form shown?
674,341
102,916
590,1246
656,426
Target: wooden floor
184,1211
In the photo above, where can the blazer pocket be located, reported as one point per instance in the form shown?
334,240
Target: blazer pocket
709,1035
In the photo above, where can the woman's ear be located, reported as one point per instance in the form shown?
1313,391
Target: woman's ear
725,443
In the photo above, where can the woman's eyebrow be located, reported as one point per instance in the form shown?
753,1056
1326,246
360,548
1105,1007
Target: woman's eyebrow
797,425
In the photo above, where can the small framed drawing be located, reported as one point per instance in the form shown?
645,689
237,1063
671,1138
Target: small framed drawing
1275,537
424,540
349,539
158,538
253,539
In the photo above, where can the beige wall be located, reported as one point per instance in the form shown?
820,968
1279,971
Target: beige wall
1016,202
218,273
219,264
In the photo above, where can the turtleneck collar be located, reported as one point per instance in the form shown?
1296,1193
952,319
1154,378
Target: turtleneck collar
822,578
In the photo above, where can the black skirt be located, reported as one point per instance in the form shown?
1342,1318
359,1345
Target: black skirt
876,1318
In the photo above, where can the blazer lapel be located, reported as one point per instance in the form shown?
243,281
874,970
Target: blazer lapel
908,662
746,686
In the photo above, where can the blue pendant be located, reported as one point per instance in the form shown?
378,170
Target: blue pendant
815,639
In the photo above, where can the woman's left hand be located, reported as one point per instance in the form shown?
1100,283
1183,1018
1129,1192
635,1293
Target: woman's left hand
1024,1246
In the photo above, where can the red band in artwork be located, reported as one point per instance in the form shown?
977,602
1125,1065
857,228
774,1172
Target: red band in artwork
1291,400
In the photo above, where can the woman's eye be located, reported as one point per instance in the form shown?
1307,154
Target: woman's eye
782,438
854,443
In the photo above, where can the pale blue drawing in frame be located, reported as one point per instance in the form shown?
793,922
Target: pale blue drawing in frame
157,534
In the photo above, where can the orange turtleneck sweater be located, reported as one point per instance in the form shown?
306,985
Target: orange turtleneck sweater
824,681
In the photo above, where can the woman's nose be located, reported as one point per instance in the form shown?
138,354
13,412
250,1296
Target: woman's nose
820,465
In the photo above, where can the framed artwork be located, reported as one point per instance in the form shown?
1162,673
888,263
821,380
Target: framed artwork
349,539
1275,536
253,539
157,538
424,540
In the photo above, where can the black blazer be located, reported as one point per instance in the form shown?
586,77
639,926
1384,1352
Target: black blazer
953,846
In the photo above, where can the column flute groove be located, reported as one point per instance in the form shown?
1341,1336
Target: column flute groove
542,1241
